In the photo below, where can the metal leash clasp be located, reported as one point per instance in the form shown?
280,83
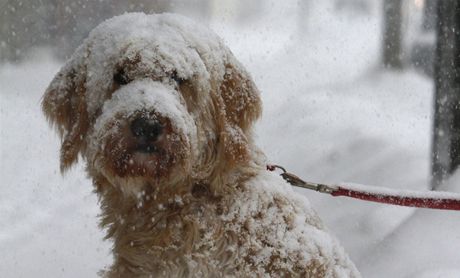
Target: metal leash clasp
296,181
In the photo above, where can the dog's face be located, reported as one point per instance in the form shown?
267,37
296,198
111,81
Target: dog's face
152,98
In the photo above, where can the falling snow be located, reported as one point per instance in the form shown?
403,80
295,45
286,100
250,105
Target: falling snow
330,115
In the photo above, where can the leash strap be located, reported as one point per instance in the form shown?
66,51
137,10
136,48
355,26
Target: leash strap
431,199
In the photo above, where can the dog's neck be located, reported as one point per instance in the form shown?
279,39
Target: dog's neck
160,221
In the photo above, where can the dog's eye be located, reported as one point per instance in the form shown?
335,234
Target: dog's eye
176,78
120,78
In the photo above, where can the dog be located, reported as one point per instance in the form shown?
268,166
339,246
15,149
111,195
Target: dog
162,113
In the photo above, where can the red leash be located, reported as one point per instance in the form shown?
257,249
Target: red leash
430,199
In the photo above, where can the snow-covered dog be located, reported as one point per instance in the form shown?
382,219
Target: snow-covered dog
161,111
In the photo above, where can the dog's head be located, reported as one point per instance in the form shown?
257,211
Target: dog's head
153,98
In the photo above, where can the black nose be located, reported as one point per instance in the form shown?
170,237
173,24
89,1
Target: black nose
146,129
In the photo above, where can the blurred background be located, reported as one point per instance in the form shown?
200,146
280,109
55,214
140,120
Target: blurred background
362,91
61,25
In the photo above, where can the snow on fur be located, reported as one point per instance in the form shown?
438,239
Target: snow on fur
149,96
172,36
307,242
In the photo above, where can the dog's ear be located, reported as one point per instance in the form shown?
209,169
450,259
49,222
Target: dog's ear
241,106
64,106
241,97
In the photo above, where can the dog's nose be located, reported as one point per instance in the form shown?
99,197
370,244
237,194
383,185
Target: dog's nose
146,129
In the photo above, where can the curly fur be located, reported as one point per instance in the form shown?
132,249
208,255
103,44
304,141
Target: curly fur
200,204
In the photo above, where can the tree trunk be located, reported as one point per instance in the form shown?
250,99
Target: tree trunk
392,41
429,15
446,135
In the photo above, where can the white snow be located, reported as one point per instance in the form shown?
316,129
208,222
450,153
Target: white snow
48,222
329,115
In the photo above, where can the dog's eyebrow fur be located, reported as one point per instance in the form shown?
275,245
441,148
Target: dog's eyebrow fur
167,43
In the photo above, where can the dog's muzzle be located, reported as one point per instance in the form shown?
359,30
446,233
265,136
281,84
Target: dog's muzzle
144,130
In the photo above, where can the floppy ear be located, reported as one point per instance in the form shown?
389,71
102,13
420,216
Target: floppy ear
241,97
64,106
242,107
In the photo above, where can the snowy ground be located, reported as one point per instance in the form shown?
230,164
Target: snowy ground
330,115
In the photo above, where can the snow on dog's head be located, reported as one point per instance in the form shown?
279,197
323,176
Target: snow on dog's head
153,97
